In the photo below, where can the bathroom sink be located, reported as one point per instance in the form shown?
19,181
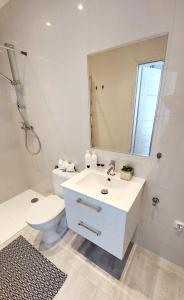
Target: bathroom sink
106,188
103,184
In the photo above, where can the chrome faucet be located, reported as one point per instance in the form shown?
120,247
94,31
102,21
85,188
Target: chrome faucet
111,170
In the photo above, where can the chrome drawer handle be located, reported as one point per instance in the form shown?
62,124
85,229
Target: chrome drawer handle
92,229
89,205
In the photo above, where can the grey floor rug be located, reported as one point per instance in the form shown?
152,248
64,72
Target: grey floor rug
25,274
103,259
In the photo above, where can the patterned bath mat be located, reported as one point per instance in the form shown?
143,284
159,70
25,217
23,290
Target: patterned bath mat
25,274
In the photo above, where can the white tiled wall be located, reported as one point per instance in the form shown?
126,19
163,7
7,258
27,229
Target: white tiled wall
166,177
12,173
56,94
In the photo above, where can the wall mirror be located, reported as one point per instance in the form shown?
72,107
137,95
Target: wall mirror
124,85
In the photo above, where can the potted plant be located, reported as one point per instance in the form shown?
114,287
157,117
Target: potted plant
127,172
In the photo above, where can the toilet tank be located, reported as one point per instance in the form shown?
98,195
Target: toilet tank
58,177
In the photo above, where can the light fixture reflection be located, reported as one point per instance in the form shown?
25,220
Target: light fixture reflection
80,6
48,24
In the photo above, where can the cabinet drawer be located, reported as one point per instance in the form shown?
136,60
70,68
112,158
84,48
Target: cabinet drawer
88,209
110,239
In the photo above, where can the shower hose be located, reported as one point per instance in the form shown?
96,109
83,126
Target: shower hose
28,128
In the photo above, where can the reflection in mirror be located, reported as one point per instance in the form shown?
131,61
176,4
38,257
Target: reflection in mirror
147,92
124,90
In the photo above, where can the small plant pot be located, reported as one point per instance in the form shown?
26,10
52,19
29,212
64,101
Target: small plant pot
126,175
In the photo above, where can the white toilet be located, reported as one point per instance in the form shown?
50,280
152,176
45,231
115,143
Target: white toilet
48,214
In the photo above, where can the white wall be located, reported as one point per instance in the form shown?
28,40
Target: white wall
166,176
56,94
13,179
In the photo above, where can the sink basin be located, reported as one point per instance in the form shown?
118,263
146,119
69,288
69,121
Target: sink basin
119,193
98,183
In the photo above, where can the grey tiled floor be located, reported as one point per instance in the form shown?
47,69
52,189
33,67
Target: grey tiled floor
146,275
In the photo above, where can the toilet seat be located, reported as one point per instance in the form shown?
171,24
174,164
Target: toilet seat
45,210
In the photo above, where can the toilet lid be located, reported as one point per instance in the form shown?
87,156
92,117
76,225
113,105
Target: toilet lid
45,210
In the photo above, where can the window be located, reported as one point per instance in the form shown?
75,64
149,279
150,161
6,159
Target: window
148,86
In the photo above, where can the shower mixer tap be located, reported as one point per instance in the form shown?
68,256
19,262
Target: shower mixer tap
21,106
26,126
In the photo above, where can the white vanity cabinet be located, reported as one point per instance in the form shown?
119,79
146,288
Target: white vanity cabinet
107,226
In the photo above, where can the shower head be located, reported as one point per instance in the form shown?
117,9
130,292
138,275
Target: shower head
10,47
7,46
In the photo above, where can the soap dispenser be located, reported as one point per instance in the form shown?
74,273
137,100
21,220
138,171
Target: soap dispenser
94,160
88,159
